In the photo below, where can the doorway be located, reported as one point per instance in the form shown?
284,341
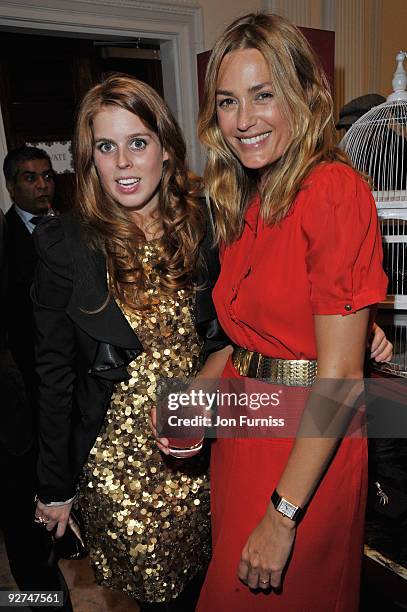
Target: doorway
175,27
43,80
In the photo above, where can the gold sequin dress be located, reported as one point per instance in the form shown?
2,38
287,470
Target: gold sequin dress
147,516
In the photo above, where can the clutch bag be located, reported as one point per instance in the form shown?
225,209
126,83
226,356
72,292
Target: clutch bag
72,544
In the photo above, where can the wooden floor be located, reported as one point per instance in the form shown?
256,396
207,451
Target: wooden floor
86,595
379,592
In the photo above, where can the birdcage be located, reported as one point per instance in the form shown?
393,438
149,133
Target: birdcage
377,146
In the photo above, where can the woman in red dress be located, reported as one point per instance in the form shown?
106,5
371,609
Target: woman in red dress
301,273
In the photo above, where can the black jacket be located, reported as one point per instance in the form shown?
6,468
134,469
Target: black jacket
22,259
17,426
80,355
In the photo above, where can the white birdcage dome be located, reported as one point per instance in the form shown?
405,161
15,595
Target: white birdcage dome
377,144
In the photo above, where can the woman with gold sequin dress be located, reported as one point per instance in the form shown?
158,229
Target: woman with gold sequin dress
122,298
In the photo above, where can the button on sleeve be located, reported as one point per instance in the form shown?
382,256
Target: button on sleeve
344,251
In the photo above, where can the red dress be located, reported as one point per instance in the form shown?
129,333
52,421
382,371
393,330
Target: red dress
323,258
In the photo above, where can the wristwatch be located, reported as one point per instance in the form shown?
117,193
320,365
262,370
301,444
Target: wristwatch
285,507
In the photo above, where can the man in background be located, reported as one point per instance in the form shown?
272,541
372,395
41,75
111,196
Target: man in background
30,183
356,108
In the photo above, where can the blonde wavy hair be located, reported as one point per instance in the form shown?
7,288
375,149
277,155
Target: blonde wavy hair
302,93
108,225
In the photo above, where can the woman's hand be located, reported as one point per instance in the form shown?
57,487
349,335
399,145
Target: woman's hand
52,516
162,443
381,349
208,375
267,550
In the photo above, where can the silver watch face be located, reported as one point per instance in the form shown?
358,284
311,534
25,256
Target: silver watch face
286,508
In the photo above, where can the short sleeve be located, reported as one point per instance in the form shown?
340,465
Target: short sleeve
343,242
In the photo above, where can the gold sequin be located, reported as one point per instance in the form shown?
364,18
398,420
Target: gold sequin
147,516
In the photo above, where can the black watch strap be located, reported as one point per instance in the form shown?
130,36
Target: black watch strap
285,507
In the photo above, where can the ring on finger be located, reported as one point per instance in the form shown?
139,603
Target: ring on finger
264,581
41,520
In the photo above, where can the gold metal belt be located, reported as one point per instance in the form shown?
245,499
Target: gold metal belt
290,372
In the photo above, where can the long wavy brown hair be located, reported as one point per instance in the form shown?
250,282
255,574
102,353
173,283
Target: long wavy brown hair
302,93
108,225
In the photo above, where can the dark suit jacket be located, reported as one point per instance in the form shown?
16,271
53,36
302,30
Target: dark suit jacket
22,259
80,355
3,280
16,431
